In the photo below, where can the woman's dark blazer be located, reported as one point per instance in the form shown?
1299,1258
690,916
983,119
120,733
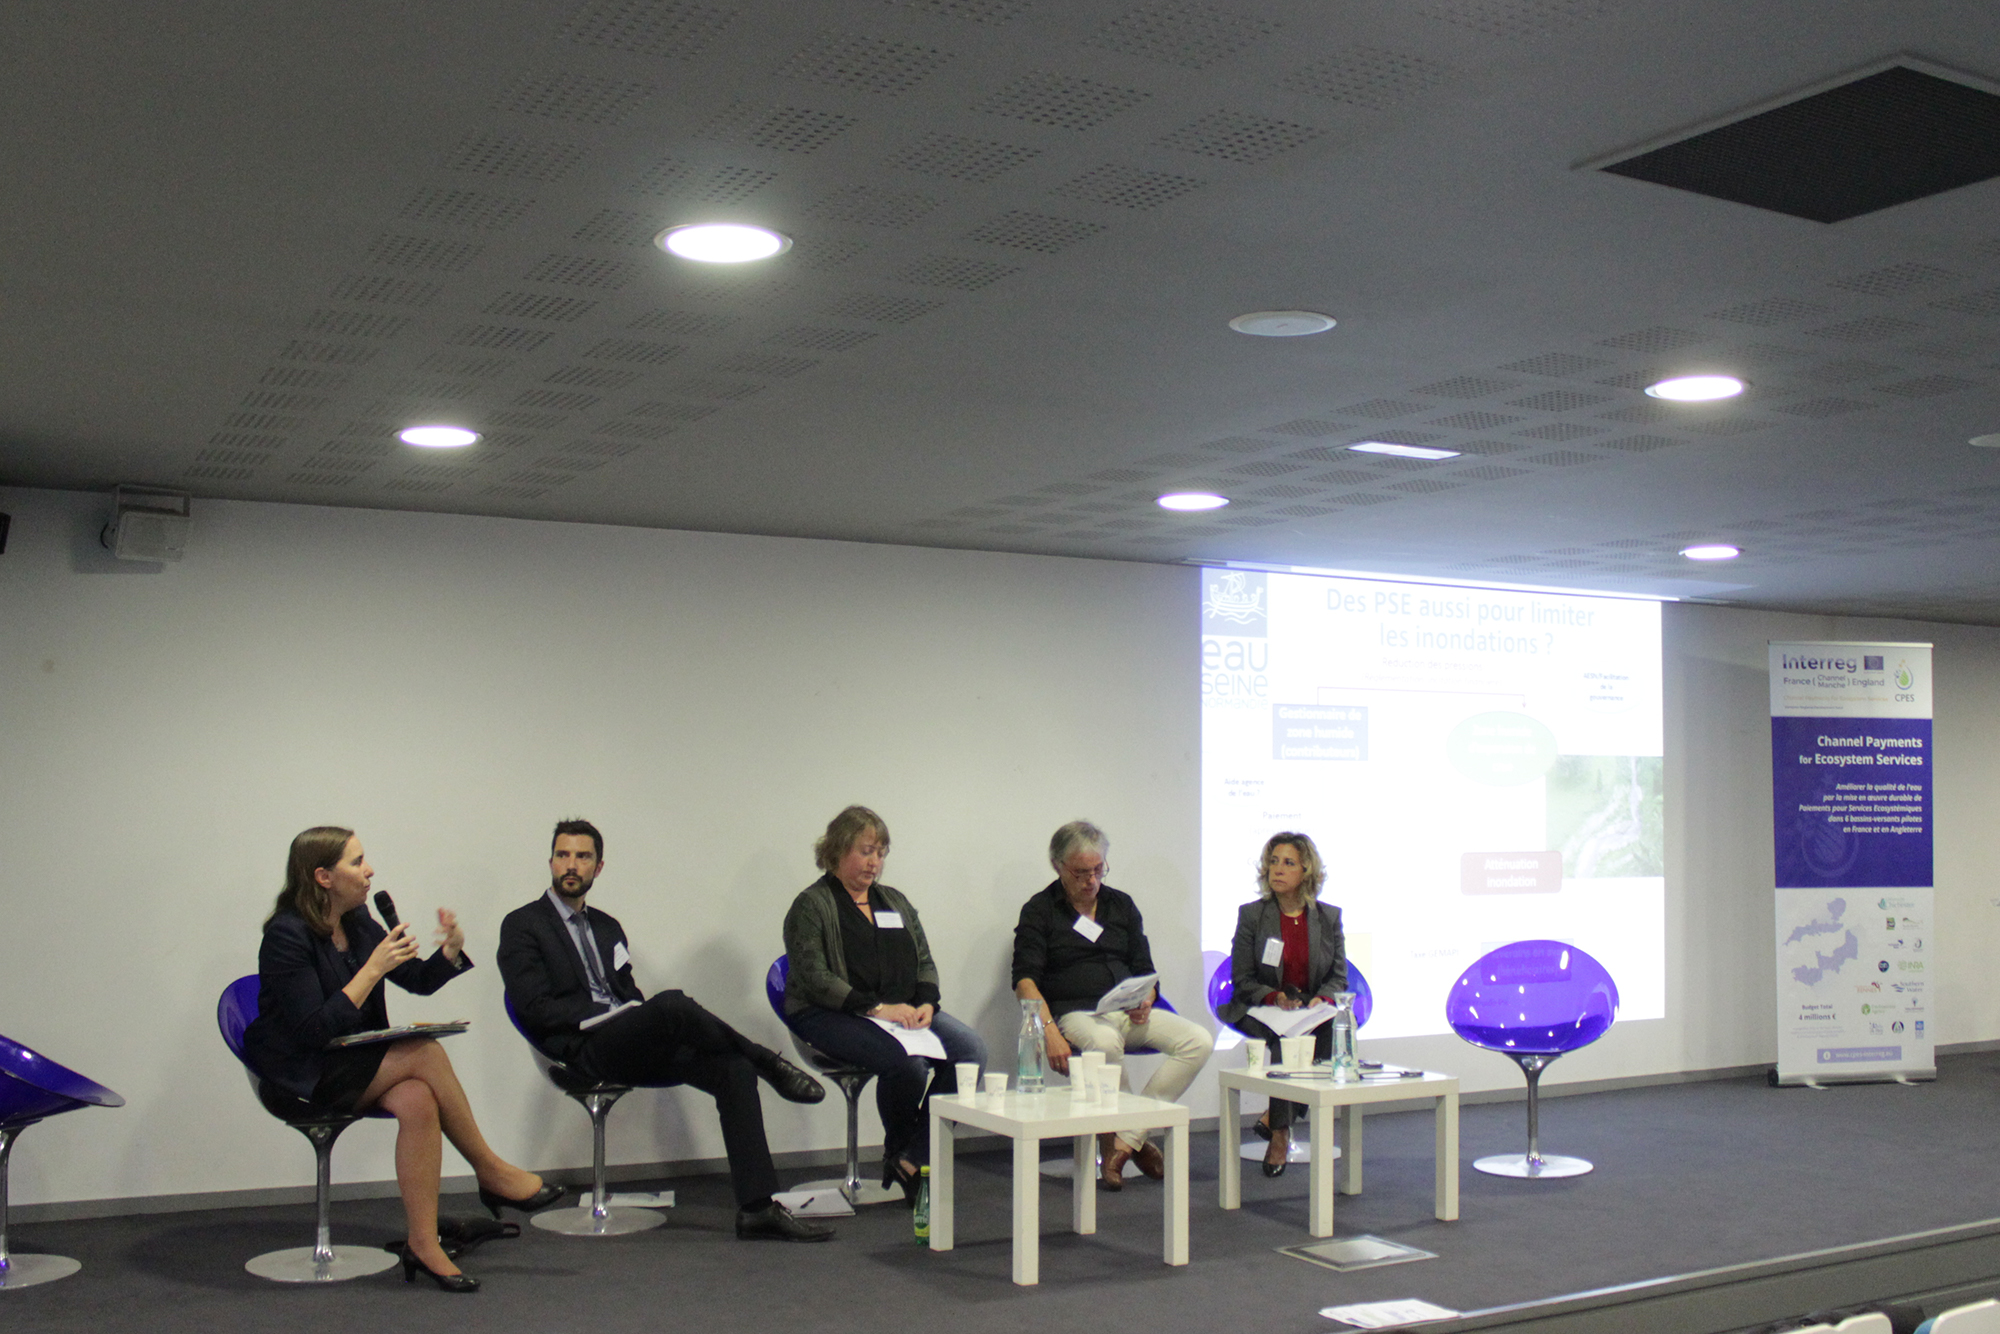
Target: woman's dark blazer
300,1006
1252,980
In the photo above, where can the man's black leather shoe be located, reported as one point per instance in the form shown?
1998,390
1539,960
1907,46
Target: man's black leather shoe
775,1223
792,1084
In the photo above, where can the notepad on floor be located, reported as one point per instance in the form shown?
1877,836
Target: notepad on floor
1381,1315
815,1203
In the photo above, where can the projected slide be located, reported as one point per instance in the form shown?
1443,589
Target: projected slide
1475,766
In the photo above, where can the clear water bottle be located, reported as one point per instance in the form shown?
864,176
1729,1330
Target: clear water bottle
1345,1067
921,1212
1031,1066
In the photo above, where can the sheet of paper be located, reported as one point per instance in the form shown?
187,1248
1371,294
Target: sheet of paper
1292,1023
1381,1315
1127,994
597,1019
916,1041
828,1203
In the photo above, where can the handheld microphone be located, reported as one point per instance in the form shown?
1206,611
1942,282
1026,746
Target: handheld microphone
386,906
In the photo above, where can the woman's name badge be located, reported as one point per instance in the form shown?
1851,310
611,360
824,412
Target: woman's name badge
620,956
1088,929
888,921
1274,952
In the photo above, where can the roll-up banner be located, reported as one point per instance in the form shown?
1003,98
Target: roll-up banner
1851,819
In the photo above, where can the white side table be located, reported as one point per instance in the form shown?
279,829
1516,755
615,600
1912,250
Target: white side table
1324,1096
1028,1119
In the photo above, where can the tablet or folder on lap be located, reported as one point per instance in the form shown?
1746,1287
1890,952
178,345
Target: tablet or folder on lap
399,1032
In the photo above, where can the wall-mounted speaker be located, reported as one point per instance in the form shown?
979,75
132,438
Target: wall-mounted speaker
150,524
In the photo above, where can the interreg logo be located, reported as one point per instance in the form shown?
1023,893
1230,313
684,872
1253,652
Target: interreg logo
1235,602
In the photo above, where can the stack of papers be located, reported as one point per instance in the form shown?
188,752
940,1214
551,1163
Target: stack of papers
1129,994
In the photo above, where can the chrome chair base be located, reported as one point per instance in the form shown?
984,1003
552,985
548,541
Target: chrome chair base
25,1271
861,1196
298,1265
1547,1165
615,1221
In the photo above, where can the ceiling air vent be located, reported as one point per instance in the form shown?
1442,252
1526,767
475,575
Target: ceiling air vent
1866,143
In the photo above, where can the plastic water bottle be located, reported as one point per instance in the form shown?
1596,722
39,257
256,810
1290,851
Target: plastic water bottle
921,1214
1031,1066
1345,1067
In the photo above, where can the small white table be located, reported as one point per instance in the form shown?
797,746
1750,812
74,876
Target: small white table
1324,1096
1028,1119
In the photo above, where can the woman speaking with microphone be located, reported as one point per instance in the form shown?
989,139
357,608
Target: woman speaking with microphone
321,969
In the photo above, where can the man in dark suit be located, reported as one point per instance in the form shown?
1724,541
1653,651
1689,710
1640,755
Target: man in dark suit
569,974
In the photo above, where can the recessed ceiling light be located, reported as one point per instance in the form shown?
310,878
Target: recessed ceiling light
438,437
1282,323
1985,441
1402,451
1696,388
1191,500
1712,551
723,242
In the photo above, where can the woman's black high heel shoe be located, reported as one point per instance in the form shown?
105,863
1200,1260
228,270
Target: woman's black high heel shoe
893,1175
541,1199
412,1266
1277,1169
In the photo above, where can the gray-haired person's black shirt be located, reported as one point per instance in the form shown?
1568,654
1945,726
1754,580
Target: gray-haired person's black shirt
1071,971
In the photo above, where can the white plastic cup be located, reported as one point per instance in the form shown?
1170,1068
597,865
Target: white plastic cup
996,1085
967,1073
1298,1053
1253,1055
1108,1077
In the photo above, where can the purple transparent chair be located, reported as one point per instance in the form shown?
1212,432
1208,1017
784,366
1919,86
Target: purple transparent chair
850,1079
1221,986
321,1262
33,1088
1532,1001
599,1218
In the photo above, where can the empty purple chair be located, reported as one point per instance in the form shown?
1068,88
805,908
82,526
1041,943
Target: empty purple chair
1532,1001
33,1088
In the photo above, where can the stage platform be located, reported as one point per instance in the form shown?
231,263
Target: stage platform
1693,1183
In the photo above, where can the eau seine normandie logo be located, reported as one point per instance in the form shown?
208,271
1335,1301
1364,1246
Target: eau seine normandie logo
1234,602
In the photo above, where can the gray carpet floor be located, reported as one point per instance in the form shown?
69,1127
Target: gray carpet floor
1688,1177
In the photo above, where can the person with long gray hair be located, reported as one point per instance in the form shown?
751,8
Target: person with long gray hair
1074,941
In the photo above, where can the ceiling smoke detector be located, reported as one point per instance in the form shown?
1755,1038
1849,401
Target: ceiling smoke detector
1282,323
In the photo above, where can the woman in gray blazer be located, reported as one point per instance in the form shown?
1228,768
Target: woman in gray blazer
1288,952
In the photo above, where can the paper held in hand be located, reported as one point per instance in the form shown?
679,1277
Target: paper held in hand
1292,1023
916,1041
594,1020
1127,995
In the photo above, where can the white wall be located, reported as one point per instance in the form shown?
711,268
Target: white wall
450,686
